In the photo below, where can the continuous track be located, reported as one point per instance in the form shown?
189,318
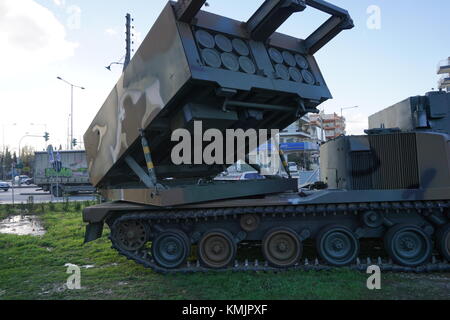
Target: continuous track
144,257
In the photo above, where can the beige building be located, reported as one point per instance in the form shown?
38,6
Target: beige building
334,125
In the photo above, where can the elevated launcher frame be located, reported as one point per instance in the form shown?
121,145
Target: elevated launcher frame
198,66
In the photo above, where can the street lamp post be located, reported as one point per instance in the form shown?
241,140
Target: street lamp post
322,129
21,140
72,86
20,155
40,125
342,110
112,63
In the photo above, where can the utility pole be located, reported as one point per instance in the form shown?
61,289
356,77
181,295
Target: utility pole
128,41
13,168
71,115
68,133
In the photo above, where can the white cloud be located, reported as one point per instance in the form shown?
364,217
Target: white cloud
31,37
59,3
111,31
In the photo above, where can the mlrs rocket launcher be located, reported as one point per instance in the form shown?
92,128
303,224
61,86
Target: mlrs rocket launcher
198,66
390,187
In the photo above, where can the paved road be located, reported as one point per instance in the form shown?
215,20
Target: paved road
22,195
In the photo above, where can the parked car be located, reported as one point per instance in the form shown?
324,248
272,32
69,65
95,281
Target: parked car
4,186
293,168
21,180
250,175
25,180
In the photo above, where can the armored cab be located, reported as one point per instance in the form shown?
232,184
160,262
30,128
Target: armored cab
429,113
406,151
196,66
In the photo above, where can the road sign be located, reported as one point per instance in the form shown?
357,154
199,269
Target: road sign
58,163
51,157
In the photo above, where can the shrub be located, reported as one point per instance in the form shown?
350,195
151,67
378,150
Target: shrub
77,206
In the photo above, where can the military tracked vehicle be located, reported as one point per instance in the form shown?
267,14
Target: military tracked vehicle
392,184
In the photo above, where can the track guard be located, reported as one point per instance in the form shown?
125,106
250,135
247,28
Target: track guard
94,231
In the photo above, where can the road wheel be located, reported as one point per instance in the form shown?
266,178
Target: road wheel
217,249
408,246
443,241
132,235
338,246
171,249
57,191
282,248
250,222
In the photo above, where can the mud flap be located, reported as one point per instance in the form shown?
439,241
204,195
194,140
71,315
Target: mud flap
94,231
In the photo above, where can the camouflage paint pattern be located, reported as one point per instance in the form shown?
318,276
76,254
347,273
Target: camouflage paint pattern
157,72
210,65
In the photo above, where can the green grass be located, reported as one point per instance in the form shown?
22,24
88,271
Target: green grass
34,268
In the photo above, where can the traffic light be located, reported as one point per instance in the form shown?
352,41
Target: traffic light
74,142
47,137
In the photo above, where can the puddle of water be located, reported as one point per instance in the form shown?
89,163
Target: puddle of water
22,226
84,267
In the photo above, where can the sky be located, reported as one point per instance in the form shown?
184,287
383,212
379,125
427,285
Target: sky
391,54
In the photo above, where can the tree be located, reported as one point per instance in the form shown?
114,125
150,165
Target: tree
2,166
7,159
6,164
27,159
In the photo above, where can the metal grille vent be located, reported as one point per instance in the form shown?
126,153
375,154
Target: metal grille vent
392,163
362,170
